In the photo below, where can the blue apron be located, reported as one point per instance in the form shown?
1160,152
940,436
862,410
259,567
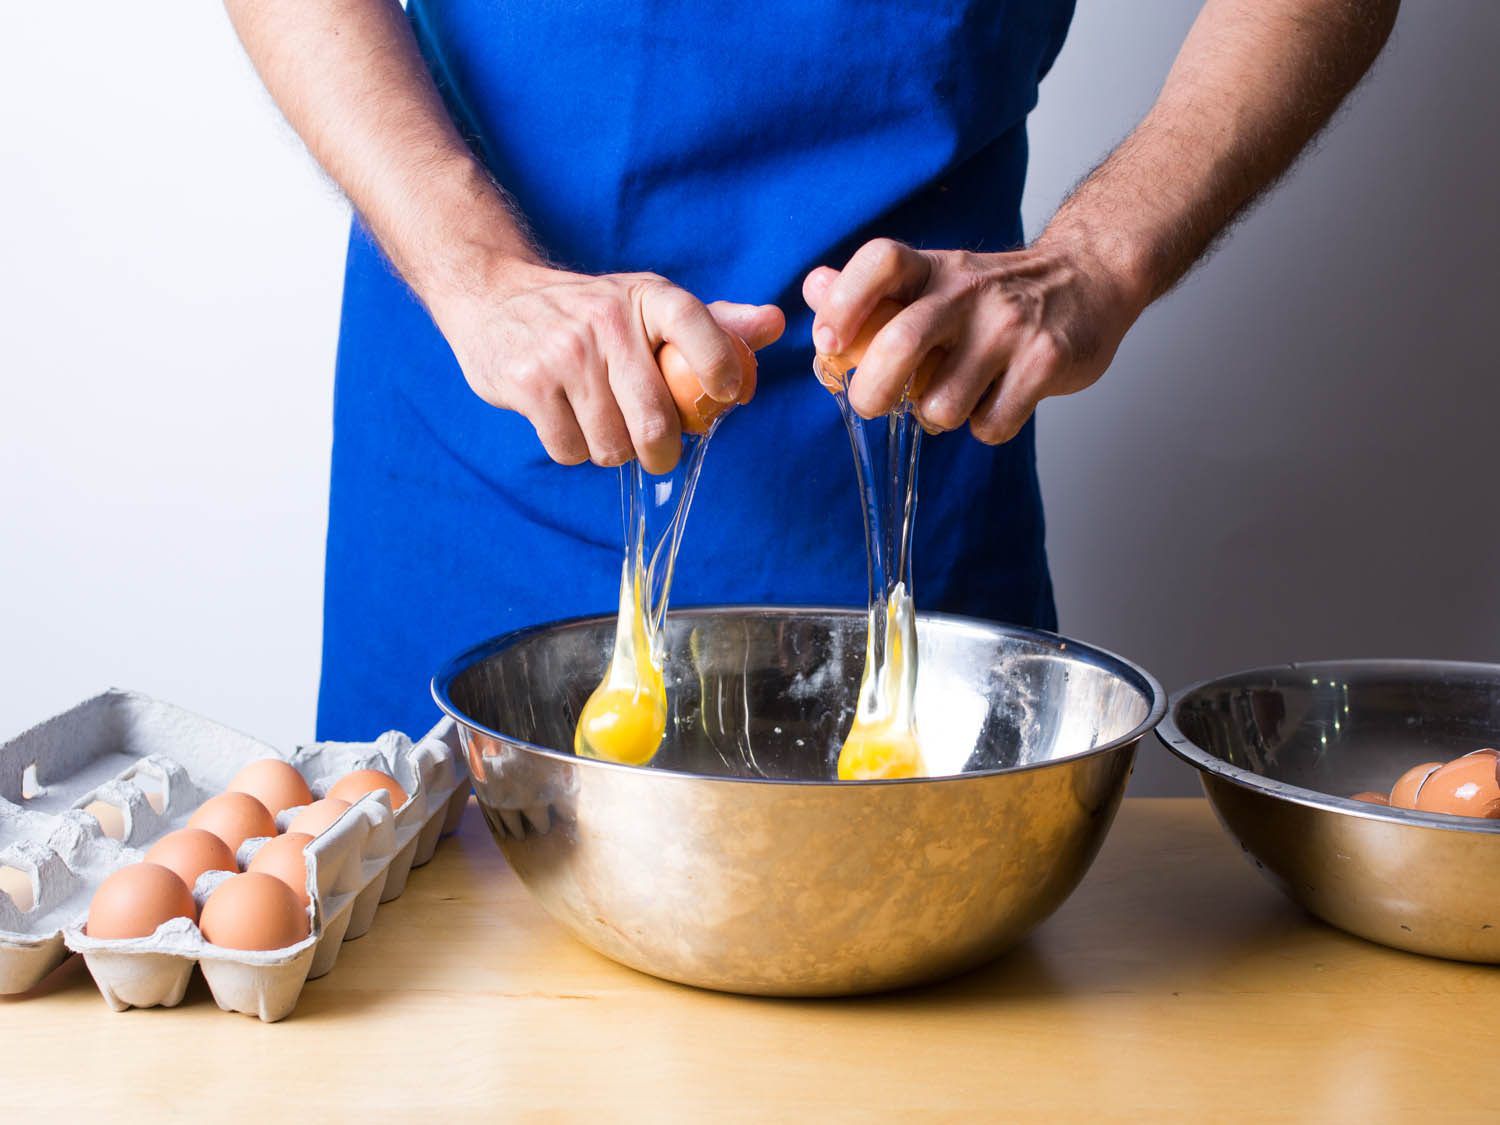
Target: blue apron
731,148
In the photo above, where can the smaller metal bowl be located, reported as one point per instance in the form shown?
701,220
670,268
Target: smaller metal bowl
1280,750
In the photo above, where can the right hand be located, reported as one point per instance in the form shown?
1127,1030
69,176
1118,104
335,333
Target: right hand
576,355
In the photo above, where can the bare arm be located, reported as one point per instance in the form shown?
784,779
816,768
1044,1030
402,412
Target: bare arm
1253,83
574,354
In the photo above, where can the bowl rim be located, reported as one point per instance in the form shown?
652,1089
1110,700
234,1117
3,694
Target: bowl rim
1170,735
1144,682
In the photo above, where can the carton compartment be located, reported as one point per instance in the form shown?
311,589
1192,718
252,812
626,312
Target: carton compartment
144,766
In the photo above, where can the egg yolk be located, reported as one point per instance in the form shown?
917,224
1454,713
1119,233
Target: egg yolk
882,743
625,718
876,754
621,725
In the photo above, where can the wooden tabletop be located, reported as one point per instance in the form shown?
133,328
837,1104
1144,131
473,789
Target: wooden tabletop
1173,983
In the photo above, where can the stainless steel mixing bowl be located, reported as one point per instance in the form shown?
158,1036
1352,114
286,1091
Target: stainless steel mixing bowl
1280,750
734,862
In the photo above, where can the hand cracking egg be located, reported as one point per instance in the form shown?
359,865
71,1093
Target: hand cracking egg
832,369
624,719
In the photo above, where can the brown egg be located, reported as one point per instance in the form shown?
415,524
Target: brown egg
1404,792
352,786
318,817
1464,787
274,783
190,852
233,818
253,911
1371,798
283,858
696,408
834,368
136,899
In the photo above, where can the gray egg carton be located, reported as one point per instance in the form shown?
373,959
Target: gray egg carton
158,763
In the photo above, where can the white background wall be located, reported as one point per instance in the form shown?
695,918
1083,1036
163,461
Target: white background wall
1291,458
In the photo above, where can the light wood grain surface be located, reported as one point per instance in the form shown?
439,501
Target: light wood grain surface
1174,984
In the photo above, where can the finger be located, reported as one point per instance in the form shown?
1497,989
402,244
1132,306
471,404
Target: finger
880,268
557,428
1010,401
645,404
895,354
815,286
672,315
599,417
973,365
757,325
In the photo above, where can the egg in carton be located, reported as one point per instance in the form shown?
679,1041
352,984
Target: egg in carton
151,765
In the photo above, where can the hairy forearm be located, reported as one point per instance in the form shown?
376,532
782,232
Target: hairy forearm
1253,84
349,78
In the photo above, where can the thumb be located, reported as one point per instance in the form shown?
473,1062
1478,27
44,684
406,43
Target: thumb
757,325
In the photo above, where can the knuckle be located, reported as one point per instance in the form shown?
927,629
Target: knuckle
1053,350
965,263
841,300
526,375
565,351
678,304
901,338
884,255
655,428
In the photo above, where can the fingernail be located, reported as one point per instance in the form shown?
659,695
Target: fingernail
826,341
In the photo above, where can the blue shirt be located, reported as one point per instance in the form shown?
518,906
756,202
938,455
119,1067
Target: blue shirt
731,148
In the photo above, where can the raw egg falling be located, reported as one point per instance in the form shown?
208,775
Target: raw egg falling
883,742
625,719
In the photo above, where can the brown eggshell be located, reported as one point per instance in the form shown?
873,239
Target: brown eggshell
274,783
135,900
318,817
284,858
1464,787
253,911
1371,798
352,786
696,408
233,818
1404,792
833,369
190,852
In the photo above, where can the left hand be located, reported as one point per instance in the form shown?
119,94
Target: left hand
1014,328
